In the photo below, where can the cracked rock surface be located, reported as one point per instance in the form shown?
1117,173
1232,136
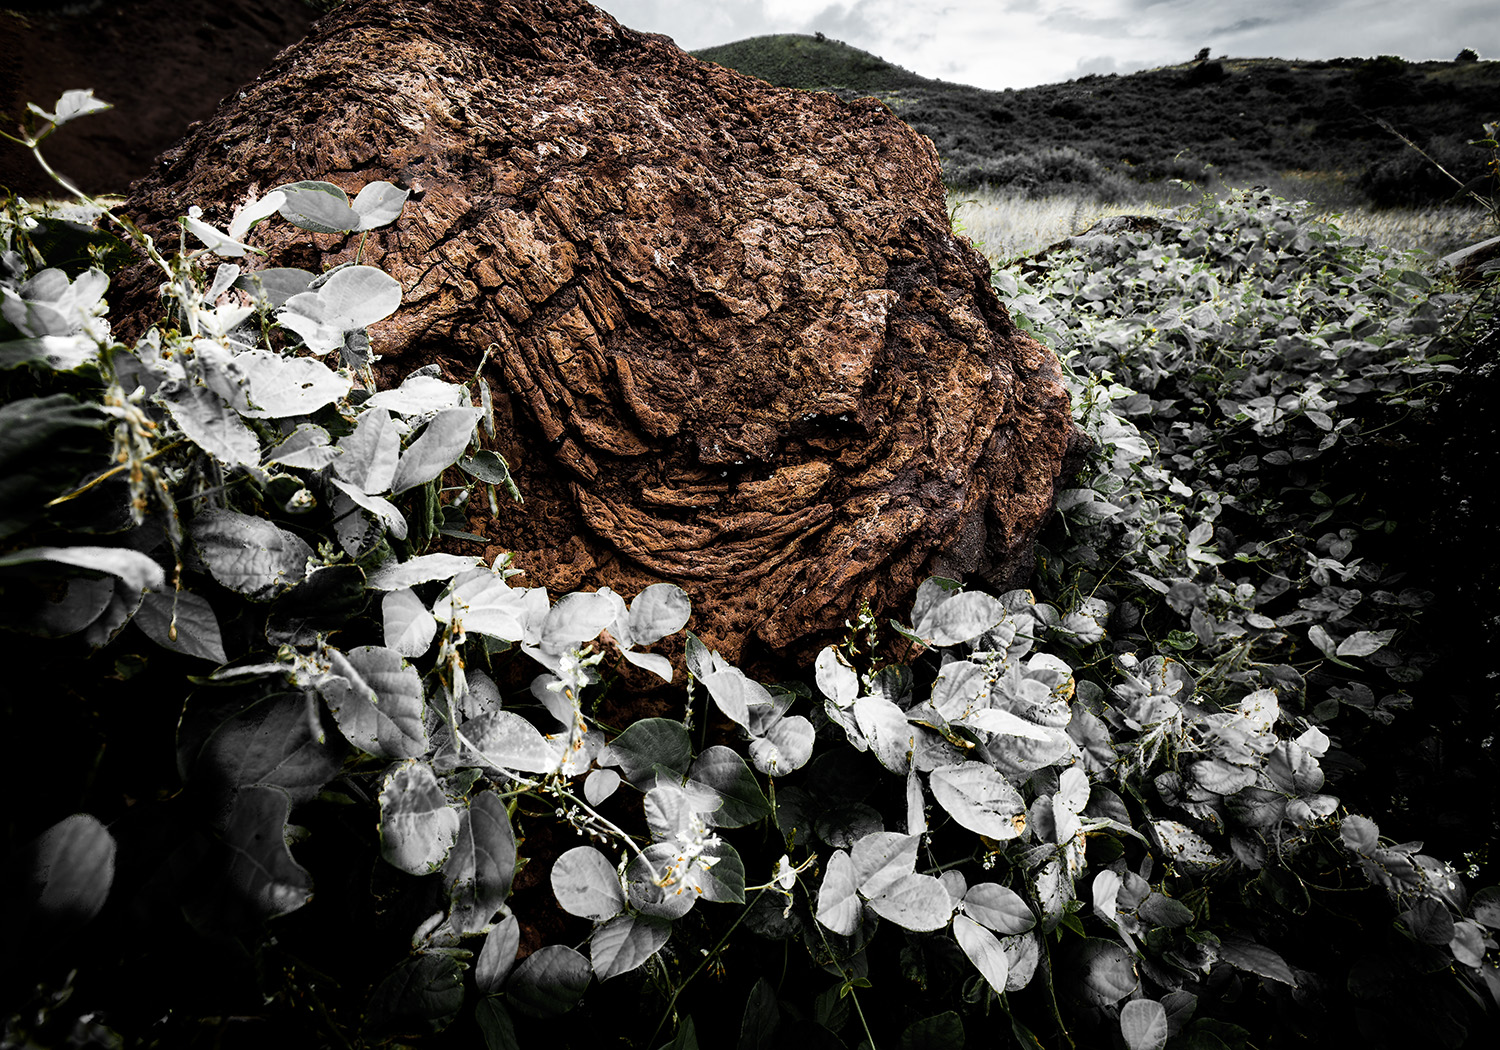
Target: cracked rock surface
733,341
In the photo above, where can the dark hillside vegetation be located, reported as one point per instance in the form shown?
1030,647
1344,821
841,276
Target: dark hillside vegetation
1245,117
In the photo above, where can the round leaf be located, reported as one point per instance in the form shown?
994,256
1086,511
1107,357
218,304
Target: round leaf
409,627
1143,1023
197,627
721,771
1102,973
482,863
785,747
261,866
890,735
586,884
659,610
72,867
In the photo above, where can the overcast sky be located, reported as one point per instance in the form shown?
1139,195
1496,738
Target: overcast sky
1021,43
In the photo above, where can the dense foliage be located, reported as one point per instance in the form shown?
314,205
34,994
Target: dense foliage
1246,118
330,784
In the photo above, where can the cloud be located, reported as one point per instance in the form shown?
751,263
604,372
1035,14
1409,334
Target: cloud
1018,43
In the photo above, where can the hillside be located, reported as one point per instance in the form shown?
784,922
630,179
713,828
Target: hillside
1245,117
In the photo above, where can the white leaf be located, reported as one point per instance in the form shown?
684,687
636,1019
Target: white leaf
409,627
838,901
890,735
983,950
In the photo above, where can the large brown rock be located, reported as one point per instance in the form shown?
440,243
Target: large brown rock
738,346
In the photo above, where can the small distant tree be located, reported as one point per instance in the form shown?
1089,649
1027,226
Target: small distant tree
1468,54
819,37
1202,55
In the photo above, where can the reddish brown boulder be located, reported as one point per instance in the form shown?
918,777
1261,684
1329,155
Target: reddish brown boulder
737,344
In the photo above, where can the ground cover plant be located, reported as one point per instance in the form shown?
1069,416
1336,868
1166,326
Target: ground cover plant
318,779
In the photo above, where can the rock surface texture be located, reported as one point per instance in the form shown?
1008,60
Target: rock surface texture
734,343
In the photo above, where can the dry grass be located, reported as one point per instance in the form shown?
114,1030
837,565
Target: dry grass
1005,226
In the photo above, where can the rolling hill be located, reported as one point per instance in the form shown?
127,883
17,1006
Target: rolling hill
1245,118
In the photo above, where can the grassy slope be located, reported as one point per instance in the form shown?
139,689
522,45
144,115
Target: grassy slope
1247,117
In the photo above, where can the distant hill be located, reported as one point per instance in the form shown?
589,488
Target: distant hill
1245,117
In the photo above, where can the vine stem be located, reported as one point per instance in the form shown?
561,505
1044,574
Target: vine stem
672,1002
853,993
111,472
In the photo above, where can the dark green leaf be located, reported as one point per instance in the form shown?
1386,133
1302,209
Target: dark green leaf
271,742
1100,972
69,870
626,942
261,866
498,955
1485,907
482,864
487,466
647,744
721,770
420,996
47,446
249,554
945,1031
1428,920
762,1014
190,617
549,982
274,286
1246,955
495,1025
326,599
686,1037
318,206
